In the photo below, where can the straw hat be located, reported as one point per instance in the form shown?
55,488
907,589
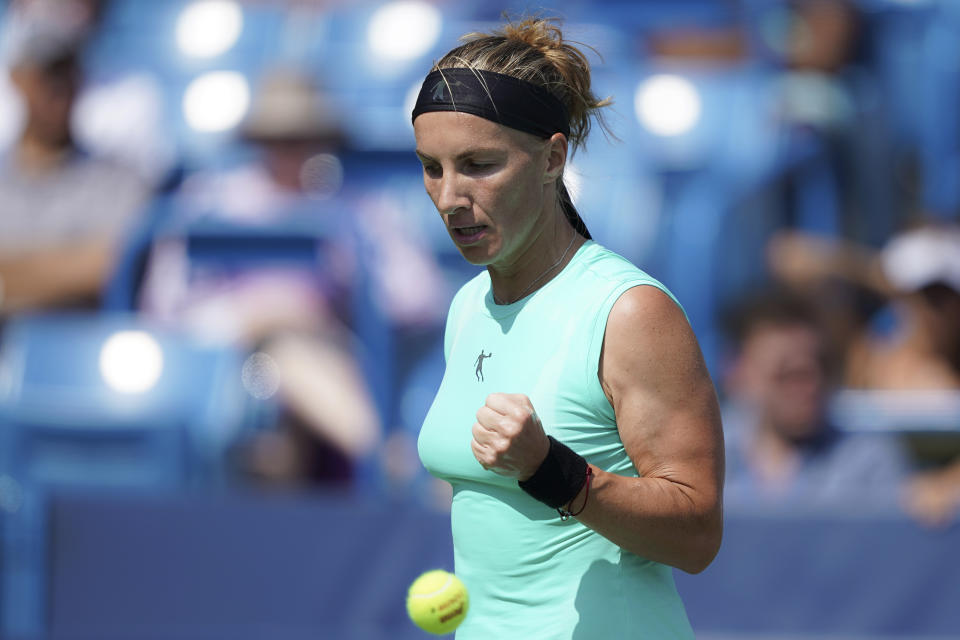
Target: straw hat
289,107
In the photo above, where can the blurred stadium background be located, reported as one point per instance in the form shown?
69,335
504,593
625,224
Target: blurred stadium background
142,494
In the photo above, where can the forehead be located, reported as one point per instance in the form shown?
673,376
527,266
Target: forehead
445,132
774,341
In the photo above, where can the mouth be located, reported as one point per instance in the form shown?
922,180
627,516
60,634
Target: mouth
469,235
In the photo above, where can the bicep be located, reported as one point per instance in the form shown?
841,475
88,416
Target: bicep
666,408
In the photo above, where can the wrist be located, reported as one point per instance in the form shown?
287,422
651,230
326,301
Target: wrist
543,456
559,478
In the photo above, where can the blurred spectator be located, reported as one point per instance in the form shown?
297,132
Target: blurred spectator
923,267
821,34
298,315
296,135
62,211
822,47
815,35
917,348
293,314
922,272
814,42
844,276
918,273
779,444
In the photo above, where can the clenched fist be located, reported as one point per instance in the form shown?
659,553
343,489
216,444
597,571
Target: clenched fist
508,437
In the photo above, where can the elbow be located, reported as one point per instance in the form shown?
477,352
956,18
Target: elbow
705,544
701,558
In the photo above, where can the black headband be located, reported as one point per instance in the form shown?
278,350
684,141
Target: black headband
512,102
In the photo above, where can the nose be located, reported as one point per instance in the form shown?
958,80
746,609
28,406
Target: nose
450,194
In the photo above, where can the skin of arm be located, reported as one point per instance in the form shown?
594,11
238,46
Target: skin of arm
667,413
804,259
55,276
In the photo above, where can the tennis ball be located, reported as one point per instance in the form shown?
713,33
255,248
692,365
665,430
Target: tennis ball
437,602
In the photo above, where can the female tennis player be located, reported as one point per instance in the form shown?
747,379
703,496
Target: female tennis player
576,420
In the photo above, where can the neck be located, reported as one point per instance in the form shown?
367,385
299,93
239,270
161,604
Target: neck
546,256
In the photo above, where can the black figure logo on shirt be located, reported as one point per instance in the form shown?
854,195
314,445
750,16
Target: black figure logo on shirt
480,359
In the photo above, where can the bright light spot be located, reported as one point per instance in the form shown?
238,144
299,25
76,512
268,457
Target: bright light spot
321,176
667,105
122,120
403,30
260,375
131,361
208,28
216,101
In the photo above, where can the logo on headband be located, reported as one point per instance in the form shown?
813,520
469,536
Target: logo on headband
437,93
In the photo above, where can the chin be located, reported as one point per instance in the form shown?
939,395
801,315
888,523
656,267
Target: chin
475,258
479,255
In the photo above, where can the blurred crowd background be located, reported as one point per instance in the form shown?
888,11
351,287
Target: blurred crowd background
219,269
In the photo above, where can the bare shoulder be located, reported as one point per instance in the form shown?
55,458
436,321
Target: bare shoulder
645,320
648,343
653,374
644,306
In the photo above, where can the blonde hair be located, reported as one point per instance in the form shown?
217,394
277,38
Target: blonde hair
534,50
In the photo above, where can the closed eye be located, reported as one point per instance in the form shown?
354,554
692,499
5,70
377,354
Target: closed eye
479,168
432,170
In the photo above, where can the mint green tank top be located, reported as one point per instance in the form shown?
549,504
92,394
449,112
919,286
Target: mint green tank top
529,574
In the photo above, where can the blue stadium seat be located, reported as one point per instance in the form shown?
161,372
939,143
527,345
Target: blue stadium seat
63,428
57,400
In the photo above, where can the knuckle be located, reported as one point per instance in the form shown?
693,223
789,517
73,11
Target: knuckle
479,452
477,430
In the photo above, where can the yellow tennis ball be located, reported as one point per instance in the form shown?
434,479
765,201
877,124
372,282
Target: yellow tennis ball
437,602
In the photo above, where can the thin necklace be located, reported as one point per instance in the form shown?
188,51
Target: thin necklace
540,277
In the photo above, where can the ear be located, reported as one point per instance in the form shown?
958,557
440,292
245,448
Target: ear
556,157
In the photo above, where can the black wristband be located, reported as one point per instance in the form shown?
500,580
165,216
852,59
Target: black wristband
560,476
